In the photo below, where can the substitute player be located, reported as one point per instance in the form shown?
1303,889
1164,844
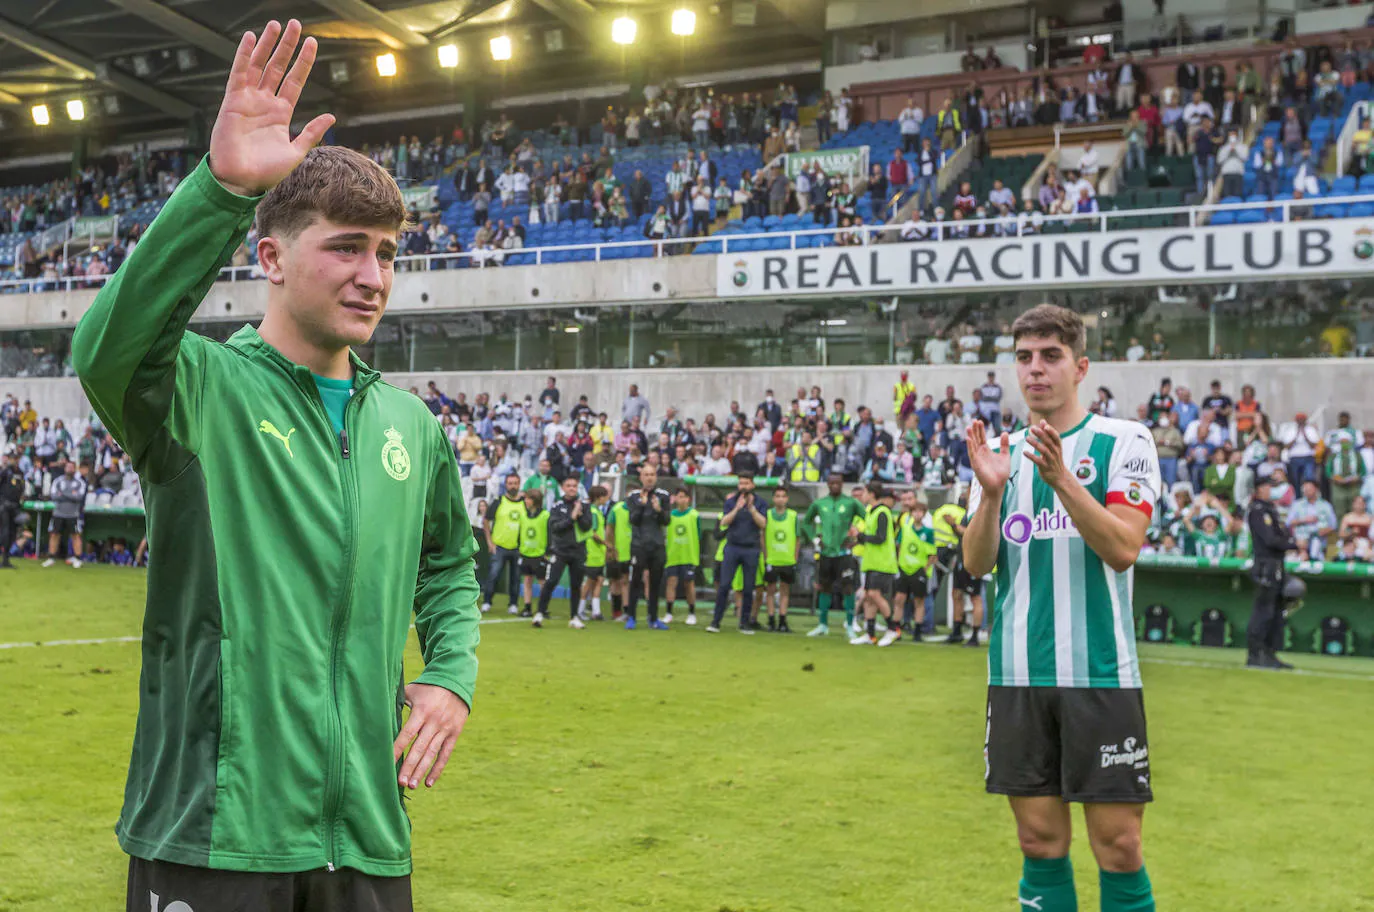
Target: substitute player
534,546
1061,509
683,545
595,542
503,537
264,768
781,551
827,523
621,535
879,566
915,558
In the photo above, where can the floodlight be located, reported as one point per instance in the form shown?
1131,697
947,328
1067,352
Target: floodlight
500,47
623,30
684,22
386,65
76,109
448,55
40,115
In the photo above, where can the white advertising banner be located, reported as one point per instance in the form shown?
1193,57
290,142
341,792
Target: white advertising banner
1169,256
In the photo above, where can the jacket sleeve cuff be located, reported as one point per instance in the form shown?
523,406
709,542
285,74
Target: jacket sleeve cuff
438,679
204,180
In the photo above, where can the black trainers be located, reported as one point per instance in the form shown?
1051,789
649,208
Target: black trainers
772,623
954,637
972,640
915,634
782,626
1276,662
527,613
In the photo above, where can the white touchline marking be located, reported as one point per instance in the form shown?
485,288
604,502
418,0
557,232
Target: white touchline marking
101,641
1181,663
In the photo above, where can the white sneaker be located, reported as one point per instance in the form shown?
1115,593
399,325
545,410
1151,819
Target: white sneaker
691,620
514,609
486,606
862,639
576,624
537,620
76,564
890,637
667,618
819,630
49,562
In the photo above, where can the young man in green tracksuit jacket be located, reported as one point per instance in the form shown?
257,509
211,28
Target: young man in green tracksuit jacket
299,511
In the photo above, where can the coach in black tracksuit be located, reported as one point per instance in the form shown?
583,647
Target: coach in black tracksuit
566,550
11,500
1269,541
649,513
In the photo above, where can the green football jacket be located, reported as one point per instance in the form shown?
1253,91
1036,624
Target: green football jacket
287,561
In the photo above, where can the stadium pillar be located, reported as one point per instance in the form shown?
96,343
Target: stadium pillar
80,145
197,140
473,111
636,77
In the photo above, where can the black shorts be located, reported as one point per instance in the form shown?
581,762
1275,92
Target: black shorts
72,526
685,572
533,566
836,571
1084,744
592,573
162,885
772,575
967,582
913,585
615,569
881,583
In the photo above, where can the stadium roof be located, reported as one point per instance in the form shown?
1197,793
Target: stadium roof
148,63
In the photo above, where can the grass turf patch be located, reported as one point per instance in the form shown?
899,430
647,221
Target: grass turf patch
606,770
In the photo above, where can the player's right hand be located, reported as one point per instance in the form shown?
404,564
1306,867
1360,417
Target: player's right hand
991,467
251,149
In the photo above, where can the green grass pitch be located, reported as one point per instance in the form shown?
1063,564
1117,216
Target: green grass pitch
606,770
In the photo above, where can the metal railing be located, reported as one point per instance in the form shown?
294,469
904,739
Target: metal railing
1197,216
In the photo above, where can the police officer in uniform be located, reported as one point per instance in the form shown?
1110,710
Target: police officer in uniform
1270,539
11,500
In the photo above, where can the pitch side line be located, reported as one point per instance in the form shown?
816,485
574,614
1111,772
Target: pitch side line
1181,663
101,641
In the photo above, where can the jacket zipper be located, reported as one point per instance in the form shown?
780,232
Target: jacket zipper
333,785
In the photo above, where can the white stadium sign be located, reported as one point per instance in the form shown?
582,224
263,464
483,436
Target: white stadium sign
1170,256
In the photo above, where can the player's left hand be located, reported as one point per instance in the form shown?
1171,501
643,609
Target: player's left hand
1046,450
437,717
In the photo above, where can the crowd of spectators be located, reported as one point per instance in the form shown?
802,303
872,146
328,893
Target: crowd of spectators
46,446
1211,450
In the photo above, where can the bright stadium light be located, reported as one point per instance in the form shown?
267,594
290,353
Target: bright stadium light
500,47
40,115
684,22
76,109
386,65
623,30
448,56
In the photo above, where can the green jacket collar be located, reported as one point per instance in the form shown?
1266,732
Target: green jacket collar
248,341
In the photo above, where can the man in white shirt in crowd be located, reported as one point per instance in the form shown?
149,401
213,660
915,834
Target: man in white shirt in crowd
556,426
1300,449
915,227
926,166
1231,164
1000,196
937,348
909,120
717,464
1193,112
1088,163
1135,351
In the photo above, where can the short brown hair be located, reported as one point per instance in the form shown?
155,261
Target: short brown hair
1052,321
338,184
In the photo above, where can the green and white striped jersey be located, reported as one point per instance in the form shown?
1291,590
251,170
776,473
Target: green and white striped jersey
1063,617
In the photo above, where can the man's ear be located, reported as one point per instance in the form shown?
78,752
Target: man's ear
271,252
